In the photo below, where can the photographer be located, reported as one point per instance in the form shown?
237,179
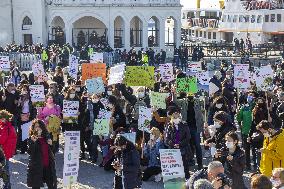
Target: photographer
272,152
235,160
214,173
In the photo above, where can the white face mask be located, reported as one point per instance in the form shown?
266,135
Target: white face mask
109,93
72,95
176,121
267,135
141,95
230,145
219,106
217,124
13,91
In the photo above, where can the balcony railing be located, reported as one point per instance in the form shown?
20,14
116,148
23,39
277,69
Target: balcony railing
116,2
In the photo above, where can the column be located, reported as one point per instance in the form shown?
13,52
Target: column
68,33
127,34
145,34
162,34
178,32
110,33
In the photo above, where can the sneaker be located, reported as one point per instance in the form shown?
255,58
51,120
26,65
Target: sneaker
158,178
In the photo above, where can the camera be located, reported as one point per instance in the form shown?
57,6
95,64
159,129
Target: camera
225,180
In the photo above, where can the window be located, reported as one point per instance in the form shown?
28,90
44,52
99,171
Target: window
209,35
278,17
272,19
229,18
200,34
247,18
259,19
214,35
27,23
266,18
252,19
204,34
189,32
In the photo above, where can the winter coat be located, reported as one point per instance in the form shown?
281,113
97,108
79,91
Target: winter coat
131,168
273,153
201,174
35,166
153,154
245,118
120,119
8,139
235,168
184,138
9,103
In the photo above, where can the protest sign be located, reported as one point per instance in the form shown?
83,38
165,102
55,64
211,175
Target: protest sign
263,77
194,67
187,84
90,71
38,71
5,63
158,100
145,116
95,85
97,57
25,130
71,157
172,168
101,127
73,66
116,74
104,114
70,111
213,89
130,136
53,126
37,95
241,76
167,72
203,82
140,76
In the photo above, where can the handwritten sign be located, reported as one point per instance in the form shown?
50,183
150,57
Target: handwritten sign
39,72
90,71
188,85
71,157
116,74
241,76
95,85
73,66
5,63
145,116
101,127
104,114
195,67
172,168
158,100
140,76
263,77
25,130
97,58
167,72
70,111
37,93
203,82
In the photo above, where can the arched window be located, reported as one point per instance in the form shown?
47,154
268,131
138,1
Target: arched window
27,23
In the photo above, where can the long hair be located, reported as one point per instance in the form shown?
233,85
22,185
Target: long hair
41,125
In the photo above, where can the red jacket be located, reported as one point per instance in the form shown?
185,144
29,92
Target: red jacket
8,139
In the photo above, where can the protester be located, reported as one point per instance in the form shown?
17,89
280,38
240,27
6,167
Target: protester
260,182
41,166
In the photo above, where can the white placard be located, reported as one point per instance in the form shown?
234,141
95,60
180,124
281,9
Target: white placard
37,93
195,67
203,77
70,108
5,63
95,85
73,66
130,136
167,72
71,157
145,116
25,130
116,74
241,76
263,77
97,58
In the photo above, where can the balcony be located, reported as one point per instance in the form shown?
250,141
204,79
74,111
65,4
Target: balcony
115,3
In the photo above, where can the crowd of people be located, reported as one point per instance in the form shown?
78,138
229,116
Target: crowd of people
187,122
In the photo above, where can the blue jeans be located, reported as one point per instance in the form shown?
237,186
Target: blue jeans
8,184
195,145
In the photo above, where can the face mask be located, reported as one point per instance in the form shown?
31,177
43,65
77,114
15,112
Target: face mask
217,124
141,95
72,95
13,91
109,93
176,121
219,106
228,77
152,137
275,183
95,100
267,135
78,89
229,145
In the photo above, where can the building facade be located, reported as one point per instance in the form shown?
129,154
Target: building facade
120,23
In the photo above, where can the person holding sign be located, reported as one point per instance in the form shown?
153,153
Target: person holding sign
177,135
41,166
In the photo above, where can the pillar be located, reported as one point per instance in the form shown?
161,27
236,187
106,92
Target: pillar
68,33
162,36
177,32
145,34
110,33
127,34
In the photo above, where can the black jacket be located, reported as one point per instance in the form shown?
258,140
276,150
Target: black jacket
35,166
9,103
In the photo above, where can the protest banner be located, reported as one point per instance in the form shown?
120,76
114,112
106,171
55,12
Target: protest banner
97,57
70,111
167,72
95,85
101,127
25,130
71,158
172,169
37,95
187,84
241,76
145,116
130,136
90,71
39,73
263,77
73,66
194,67
203,83
116,74
140,76
158,100
104,114
5,63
